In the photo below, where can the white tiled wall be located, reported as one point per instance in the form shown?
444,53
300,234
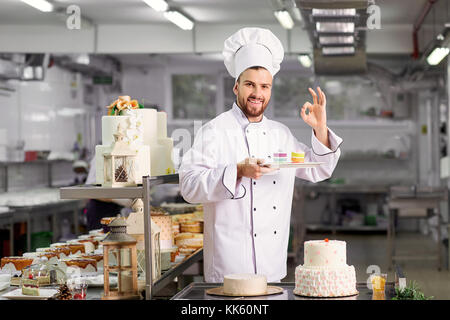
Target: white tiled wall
48,114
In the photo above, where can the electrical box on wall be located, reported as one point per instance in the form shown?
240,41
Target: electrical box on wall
401,105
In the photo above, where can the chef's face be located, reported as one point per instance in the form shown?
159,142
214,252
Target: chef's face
253,90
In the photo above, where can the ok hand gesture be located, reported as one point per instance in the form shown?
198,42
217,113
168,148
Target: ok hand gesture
317,114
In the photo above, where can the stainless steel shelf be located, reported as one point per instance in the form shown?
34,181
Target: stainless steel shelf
143,192
324,227
176,270
98,192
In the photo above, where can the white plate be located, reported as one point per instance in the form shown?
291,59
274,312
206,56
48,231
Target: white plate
290,165
43,294
4,285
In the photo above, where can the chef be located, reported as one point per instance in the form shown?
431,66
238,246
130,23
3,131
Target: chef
247,205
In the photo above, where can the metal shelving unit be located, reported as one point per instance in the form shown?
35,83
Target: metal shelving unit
143,192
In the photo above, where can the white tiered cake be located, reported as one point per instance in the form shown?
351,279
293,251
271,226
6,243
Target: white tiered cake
325,272
146,133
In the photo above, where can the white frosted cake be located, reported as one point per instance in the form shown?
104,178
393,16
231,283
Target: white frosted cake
244,284
325,272
145,132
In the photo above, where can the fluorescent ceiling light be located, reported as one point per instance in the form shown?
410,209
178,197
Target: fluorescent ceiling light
335,27
284,18
179,19
157,5
336,39
334,12
436,56
337,50
41,5
305,60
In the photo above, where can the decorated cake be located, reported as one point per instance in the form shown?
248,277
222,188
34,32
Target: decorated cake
30,287
15,263
325,272
78,264
244,284
145,133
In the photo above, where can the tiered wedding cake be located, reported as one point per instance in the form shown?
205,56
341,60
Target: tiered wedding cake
145,132
325,272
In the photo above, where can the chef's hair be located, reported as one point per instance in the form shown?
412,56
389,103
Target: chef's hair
253,68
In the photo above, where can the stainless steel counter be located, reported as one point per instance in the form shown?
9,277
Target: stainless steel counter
197,291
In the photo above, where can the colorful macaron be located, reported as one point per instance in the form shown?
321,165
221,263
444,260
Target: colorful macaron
298,157
280,157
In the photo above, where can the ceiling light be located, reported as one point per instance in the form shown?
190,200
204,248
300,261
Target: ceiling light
179,19
335,27
336,40
157,5
284,18
41,5
436,56
304,60
337,50
333,12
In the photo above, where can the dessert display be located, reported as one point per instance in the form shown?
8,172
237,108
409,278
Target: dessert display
71,248
88,245
52,257
30,287
83,265
325,272
97,257
175,227
298,157
164,222
194,226
13,264
189,240
145,132
244,284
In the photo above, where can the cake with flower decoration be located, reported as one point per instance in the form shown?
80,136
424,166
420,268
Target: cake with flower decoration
325,272
145,131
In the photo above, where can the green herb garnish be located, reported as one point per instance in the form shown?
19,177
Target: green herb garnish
411,292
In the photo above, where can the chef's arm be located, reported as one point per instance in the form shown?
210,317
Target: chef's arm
203,178
320,152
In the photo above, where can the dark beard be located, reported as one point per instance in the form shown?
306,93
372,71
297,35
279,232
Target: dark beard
250,113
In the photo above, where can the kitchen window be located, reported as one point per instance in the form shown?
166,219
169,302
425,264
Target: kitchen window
194,96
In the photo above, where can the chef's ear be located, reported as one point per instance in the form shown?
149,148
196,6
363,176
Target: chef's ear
235,88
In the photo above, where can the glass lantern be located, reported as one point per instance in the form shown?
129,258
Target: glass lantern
120,165
120,259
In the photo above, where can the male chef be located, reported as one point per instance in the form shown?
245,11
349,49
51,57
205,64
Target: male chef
247,205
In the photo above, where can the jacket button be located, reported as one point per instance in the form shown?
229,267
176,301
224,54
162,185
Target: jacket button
254,209
254,183
255,234
264,133
274,208
274,182
275,232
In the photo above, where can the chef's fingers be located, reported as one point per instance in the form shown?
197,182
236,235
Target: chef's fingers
260,161
324,98
314,95
303,110
265,170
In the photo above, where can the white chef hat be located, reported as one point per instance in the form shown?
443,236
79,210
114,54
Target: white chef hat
251,47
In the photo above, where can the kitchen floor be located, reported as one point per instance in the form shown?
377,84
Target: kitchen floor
364,250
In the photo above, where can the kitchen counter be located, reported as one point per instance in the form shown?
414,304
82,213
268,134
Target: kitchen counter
197,291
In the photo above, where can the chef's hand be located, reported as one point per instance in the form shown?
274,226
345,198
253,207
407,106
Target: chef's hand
317,115
252,168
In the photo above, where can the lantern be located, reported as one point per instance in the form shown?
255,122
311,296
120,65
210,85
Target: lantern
135,228
119,165
122,247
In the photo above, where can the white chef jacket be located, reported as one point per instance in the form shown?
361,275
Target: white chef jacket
247,221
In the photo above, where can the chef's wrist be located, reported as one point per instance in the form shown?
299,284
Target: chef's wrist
239,170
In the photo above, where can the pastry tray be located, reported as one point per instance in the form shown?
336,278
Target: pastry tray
293,165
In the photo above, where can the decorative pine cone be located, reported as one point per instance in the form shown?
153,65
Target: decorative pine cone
64,293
